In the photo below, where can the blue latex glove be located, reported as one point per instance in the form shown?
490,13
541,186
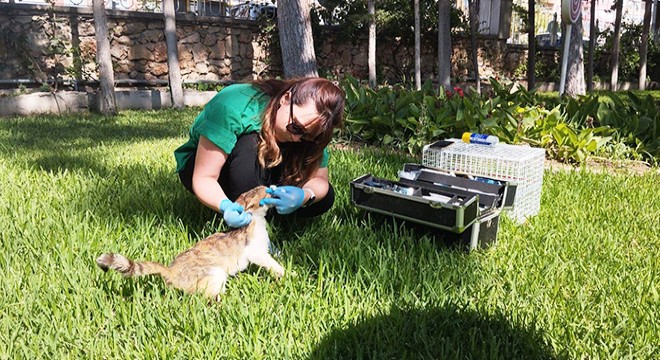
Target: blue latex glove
234,214
286,199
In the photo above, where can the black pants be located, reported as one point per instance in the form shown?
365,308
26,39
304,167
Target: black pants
243,172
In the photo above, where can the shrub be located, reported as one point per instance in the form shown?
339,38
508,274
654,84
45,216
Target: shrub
631,35
569,129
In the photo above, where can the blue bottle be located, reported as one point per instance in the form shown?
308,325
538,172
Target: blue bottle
482,139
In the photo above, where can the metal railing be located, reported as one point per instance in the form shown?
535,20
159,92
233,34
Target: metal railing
248,10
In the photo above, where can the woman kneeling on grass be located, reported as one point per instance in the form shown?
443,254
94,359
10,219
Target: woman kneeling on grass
271,132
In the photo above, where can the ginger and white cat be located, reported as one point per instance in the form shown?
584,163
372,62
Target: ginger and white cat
206,266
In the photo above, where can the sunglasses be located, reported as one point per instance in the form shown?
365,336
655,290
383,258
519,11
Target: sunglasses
294,127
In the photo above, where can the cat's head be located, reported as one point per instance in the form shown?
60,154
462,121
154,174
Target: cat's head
251,198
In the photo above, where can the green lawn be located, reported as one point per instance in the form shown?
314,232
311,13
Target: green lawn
580,280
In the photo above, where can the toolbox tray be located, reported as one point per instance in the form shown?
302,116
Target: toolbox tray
492,193
413,201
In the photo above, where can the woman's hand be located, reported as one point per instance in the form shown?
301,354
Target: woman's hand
234,214
286,199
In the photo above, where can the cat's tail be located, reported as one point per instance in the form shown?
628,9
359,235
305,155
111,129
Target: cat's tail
128,267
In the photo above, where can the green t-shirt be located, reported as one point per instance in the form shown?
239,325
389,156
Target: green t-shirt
234,111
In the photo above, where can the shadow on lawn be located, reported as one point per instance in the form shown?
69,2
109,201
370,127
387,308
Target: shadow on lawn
438,333
128,288
60,142
443,239
139,193
56,143
45,131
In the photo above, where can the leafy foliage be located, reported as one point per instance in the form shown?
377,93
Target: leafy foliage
547,68
204,86
570,130
393,18
631,35
637,122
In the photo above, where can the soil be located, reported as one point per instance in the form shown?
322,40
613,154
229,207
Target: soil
600,165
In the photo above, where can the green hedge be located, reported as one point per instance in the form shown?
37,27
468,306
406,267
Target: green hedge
614,125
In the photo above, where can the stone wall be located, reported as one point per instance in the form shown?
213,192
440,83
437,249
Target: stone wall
60,42
209,49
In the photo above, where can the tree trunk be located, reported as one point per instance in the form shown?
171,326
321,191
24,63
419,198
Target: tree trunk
593,36
654,18
418,75
76,53
372,43
575,70
174,76
444,45
297,44
474,29
643,52
106,96
531,45
614,60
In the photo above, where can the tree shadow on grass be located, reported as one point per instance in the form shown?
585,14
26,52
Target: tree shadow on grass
54,133
55,162
442,239
400,257
437,333
74,143
128,288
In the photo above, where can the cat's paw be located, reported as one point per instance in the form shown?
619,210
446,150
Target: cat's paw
278,272
289,273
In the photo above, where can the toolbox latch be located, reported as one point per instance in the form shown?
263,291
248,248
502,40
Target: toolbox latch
435,204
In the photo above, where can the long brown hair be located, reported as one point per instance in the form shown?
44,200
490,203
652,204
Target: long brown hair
300,159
